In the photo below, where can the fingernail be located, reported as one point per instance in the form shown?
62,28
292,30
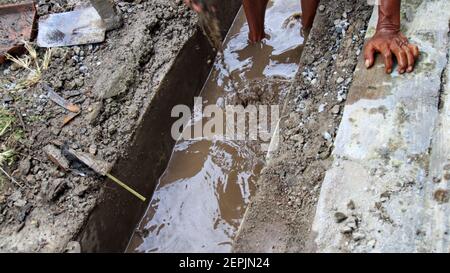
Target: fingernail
410,69
367,63
389,71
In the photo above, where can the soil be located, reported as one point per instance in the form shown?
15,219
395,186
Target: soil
110,81
280,215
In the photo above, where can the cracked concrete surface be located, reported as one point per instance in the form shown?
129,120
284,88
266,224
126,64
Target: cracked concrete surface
387,188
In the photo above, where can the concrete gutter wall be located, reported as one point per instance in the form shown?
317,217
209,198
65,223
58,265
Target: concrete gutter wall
387,188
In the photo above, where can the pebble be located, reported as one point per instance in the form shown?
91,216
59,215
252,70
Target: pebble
351,205
336,109
299,138
340,217
20,203
73,247
371,243
93,149
321,108
358,236
340,80
346,230
24,166
327,136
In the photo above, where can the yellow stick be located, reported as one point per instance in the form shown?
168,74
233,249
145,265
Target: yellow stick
123,185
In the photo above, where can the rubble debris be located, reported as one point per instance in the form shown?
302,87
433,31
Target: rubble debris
99,166
54,154
69,118
53,96
78,27
16,26
107,11
52,189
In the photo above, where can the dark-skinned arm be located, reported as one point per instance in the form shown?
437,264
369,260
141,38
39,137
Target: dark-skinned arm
389,41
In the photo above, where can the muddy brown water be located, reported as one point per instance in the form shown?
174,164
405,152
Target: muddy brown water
201,197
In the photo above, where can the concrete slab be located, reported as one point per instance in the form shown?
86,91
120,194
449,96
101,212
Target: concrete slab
391,145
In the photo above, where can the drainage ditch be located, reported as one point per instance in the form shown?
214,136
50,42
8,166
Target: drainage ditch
200,188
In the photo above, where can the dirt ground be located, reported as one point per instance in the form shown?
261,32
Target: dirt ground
112,82
280,216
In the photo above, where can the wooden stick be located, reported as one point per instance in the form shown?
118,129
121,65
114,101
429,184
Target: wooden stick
123,185
11,178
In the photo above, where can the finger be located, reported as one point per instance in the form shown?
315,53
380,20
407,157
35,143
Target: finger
402,60
193,5
410,58
369,55
196,7
415,50
388,63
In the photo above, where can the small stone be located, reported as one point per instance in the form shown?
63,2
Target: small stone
351,205
83,69
24,166
321,8
371,243
437,180
340,217
93,149
358,236
327,136
80,190
35,223
447,176
321,108
53,189
20,203
298,138
336,109
340,80
54,154
346,230
441,196
94,114
73,247
351,223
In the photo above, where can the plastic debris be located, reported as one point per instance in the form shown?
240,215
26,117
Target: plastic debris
78,27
